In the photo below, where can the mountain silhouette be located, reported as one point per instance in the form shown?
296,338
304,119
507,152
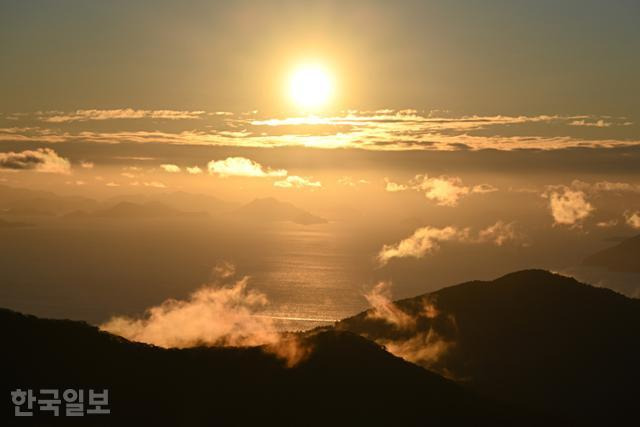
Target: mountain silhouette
344,380
21,201
623,257
11,224
530,338
269,209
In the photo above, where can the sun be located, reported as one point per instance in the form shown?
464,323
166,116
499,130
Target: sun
311,86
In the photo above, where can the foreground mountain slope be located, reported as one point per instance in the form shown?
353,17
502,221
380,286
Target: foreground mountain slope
531,337
623,257
344,379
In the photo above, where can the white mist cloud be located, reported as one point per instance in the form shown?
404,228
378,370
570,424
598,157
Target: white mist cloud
122,113
40,160
194,170
294,181
421,242
427,239
384,308
633,219
394,187
167,167
443,190
241,166
211,315
499,233
422,346
567,206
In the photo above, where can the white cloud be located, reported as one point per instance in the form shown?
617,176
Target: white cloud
154,184
40,160
597,123
633,219
241,166
384,308
427,239
394,187
499,233
211,315
352,182
86,165
171,168
194,170
421,242
568,207
123,113
444,190
294,181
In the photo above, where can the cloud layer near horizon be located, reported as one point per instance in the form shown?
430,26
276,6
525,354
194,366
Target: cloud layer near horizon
390,130
40,160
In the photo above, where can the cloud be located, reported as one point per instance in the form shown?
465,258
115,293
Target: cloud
154,184
351,182
170,168
194,170
417,345
40,160
421,242
607,224
424,348
384,308
394,187
499,233
605,186
383,130
86,165
294,181
444,190
633,219
598,123
568,207
123,113
241,166
428,239
224,313
211,315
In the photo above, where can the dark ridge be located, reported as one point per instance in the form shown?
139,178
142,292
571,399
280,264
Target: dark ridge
531,338
345,380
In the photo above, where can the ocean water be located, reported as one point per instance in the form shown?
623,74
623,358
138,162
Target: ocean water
311,275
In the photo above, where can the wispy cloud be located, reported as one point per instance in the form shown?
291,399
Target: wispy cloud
294,181
349,181
568,206
171,168
382,307
122,113
633,219
241,166
385,130
428,239
40,160
443,190
211,315
194,170
421,242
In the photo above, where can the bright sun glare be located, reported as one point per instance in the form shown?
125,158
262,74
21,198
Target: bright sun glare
311,86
